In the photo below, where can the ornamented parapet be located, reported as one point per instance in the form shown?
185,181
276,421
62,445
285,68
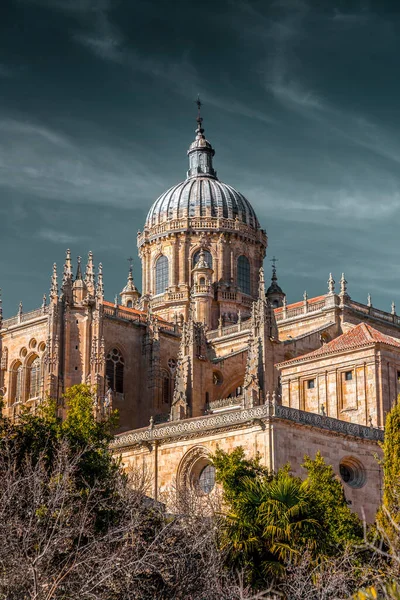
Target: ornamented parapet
236,417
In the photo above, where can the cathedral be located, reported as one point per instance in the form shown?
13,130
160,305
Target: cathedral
208,355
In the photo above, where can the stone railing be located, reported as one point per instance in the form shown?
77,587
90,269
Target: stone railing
23,317
210,223
229,329
229,418
373,312
225,402
306,307
201,289
119,312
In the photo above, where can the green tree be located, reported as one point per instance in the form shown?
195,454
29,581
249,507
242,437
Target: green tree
268,521
339,525
388,517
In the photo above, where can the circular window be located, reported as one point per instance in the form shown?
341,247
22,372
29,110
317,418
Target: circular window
206,480
32,343
352,472
172,364
42,346
23,352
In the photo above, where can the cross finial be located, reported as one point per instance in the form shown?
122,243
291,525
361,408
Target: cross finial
130,261
274,260
199,104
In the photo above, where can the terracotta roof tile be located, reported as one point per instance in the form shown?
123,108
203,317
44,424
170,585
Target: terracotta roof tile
358,336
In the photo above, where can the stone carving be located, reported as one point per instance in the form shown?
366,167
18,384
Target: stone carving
229,419
180,404
184,478
251,385
4,359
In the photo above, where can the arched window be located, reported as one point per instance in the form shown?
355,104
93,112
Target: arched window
129,304
17,373
34,379
207,258
115,370
166,388
243,275
161,274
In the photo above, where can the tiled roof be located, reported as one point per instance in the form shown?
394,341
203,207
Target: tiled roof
134,311
358,336
296,304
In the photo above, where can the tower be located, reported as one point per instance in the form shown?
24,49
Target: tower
201,215
130,294
274,293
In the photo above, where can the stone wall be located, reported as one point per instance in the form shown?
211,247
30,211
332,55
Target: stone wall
169,454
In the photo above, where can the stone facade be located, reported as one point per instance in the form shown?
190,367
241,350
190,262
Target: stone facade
204,356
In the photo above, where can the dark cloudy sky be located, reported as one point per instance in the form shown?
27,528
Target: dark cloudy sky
301,103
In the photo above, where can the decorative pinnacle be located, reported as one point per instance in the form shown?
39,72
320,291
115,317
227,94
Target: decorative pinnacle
44,301
305,296
100,286
67,274
54,285
261,284
393,308
89,273
20,308
331,284
369,300
116,300
79,269
343,285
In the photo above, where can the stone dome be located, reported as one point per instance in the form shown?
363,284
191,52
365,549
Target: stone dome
201,194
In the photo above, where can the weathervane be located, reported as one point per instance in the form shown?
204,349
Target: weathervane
274,261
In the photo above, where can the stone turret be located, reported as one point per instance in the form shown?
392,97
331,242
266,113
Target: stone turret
130,294
274,293
202,293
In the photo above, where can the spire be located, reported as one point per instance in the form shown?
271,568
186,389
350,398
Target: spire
67,267
331,284
130,294
200,151
89,274
54,284
275,293
79,270
100,286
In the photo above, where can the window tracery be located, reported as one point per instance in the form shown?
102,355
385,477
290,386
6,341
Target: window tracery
115,365
34,378
243,274
16,382
162,275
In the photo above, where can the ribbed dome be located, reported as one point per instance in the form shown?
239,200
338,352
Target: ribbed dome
201,194
201,197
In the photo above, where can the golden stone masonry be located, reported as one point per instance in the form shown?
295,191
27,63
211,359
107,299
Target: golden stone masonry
205,356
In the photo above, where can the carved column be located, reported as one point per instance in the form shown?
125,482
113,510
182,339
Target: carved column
174,266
